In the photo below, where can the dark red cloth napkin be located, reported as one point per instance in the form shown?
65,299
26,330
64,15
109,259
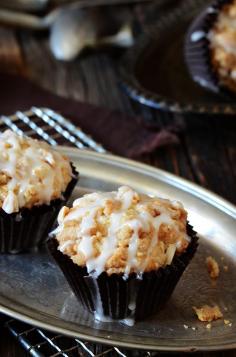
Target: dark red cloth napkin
116,131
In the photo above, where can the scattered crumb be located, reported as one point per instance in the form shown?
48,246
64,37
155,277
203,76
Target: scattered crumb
225,308
226,268
226,322
208,313
208,326
212,267
192,327
230,324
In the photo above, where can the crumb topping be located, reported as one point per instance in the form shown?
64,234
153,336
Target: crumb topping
212,267
208,313
31,173
223,45
122,232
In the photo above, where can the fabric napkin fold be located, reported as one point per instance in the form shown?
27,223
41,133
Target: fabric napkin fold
117,132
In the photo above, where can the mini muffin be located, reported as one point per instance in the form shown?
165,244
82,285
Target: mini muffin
123,252
35,182
222,38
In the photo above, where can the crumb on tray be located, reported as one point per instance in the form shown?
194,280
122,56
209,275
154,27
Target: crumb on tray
208,313
212,267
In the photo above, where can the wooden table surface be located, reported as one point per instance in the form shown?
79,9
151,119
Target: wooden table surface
207,150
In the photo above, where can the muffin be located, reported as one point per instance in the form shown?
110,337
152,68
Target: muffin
122,252
210,51
222,42
35,182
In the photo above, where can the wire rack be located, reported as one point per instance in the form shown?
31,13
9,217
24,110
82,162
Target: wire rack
46,124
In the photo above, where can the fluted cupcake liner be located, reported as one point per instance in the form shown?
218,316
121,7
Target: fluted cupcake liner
118,298
29,228
198,53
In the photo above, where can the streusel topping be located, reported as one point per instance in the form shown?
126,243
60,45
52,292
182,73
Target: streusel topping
223,45
31,173
122,232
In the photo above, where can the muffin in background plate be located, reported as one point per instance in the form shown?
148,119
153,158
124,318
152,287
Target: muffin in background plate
222,39
35,182
210,50
123,252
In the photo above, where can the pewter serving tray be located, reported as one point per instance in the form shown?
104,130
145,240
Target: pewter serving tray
34,290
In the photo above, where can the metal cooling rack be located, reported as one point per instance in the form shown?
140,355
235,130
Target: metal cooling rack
43,123
41,343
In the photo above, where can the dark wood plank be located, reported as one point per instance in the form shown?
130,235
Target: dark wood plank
208,143
11,58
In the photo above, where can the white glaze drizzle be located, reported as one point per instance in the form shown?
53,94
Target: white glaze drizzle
85,210
135,225
20,160
163,218
99,312
96,265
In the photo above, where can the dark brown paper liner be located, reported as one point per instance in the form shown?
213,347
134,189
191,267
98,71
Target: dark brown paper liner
29,228
151,291
198,53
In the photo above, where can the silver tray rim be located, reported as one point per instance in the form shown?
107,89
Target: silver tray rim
171,179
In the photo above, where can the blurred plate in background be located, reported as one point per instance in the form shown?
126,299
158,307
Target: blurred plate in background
154,72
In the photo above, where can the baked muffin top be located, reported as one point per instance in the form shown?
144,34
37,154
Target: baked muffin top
222,39
122,232
31,173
